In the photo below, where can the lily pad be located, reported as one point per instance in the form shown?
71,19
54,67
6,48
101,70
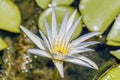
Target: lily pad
10,17
60,12
112,74
43,3
60,2
3,45
113,43
116,53
98,14
113,37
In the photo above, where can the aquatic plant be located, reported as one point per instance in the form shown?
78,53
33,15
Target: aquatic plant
97,15
58,45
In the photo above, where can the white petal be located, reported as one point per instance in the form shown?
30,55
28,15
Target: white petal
85,44
78,62
68,57
54,23
59,66
45,40
33,37
70,21
72,29
49,33
63,26
55,56
84,37
76,51
39,52
89,61
81,60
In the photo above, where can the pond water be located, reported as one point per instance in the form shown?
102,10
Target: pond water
17,64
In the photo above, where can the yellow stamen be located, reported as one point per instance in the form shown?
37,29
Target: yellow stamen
60,49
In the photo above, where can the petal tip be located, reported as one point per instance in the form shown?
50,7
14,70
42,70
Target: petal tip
96,67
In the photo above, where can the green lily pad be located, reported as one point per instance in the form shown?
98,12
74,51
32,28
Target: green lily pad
112,74
3,45
116,53
98,14
113,37
113,43
43,3
60,2
60,12
10,17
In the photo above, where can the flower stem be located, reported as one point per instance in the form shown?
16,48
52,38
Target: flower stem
55,74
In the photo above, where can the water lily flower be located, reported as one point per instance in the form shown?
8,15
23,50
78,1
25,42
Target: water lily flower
59,47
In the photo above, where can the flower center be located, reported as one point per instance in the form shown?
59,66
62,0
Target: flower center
60,49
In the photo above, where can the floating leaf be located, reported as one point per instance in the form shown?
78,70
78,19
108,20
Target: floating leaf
59,2
116,53
112,74
43,3
113,37
10,17
3,45
60,12
98,14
